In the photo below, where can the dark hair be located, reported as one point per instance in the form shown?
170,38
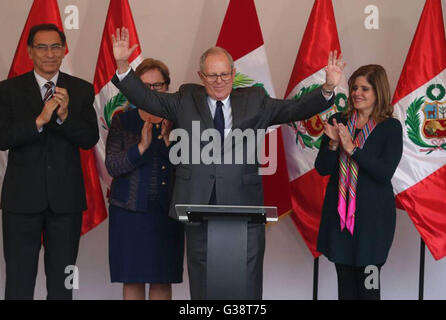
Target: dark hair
377,77
150,64
44,27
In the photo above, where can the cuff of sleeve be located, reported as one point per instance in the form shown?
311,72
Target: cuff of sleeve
356,154
123,75
327,97
133,154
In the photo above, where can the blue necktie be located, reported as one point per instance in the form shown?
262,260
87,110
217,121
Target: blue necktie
219,121
219,124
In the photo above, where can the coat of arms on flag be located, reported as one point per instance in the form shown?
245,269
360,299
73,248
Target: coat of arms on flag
430,134
309,132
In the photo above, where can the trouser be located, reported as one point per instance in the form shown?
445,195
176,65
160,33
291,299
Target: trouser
22,239
354,283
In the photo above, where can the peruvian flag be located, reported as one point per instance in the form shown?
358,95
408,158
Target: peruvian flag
109,101
47,11
242,37
302,139
420,104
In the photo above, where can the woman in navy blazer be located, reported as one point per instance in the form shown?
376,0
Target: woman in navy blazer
360,150
145,245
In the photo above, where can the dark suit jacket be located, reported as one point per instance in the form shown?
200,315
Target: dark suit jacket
236,184
44,169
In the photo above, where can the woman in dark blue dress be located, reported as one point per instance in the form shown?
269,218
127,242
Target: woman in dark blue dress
145,245
360,149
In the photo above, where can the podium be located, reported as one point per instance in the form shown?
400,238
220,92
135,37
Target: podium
227,244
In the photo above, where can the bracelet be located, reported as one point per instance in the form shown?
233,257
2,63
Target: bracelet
333,146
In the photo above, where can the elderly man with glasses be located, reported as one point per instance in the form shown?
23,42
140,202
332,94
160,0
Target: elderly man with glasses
216,105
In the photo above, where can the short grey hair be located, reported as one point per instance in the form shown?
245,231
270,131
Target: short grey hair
215,50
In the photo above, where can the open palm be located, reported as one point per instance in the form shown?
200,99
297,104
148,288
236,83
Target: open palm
121,45
334,69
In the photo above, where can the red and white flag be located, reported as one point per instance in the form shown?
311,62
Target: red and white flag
302,139
109,101
420,104
242,37
47,11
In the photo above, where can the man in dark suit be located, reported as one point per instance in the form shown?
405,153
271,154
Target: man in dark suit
46,116
216,105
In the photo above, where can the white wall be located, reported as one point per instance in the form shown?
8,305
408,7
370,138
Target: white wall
177,32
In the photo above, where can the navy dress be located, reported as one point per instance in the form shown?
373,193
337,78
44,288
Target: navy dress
145,244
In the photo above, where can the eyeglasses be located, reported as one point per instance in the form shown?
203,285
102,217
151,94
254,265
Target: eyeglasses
57,47
211,78
156,85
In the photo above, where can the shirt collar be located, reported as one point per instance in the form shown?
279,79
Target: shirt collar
42,81
214,102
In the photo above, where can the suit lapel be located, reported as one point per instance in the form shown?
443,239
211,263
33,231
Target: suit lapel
33,95
62,81
238,109
203,108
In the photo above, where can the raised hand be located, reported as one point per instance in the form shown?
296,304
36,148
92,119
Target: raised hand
146,137
121,48
333,70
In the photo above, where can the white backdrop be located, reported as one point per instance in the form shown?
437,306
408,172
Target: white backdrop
177,31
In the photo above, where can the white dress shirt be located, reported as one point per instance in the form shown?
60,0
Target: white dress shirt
41,81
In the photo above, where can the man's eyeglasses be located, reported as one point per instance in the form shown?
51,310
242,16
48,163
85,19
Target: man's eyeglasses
213,77
156,85
57,47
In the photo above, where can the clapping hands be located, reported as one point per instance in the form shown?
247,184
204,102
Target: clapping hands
166,127
146,137
339,133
